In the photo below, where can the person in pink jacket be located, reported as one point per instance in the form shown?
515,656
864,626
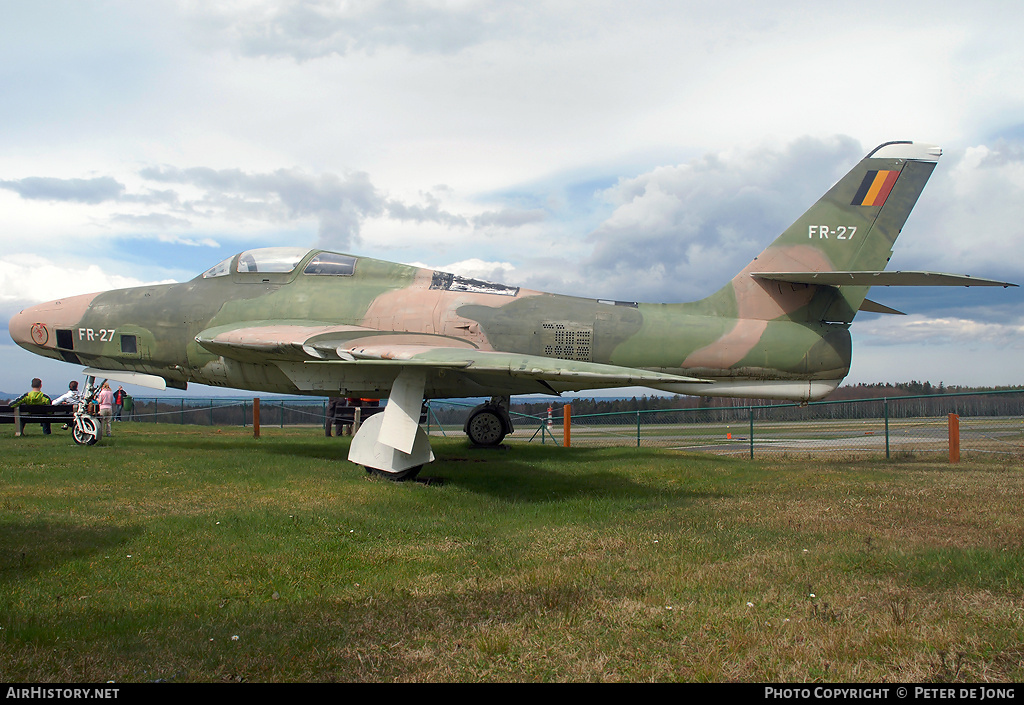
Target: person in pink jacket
106,401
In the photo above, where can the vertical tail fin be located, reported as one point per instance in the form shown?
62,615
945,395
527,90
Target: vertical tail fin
851,228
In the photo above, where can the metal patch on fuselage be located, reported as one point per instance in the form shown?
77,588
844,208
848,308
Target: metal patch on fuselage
568,341
453,282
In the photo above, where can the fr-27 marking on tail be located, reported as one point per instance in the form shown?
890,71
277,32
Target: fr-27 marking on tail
841,232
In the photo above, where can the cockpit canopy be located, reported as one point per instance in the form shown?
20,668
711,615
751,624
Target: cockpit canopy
284,260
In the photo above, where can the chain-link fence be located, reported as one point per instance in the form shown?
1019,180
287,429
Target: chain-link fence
227,411
989,422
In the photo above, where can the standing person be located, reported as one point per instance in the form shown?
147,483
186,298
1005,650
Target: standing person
119,396
106,400
332,412
35,396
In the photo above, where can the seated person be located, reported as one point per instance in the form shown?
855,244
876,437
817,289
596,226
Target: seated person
35,397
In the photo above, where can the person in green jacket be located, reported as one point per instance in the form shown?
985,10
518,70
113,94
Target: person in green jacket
35,396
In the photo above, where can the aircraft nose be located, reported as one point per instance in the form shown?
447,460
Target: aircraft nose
36,326
29,327
21,325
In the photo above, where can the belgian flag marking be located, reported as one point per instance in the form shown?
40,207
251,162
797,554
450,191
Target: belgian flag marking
875,188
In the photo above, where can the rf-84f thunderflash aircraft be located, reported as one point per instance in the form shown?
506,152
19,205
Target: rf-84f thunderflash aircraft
314,322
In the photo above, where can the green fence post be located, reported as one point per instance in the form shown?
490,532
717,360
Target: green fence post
440,426
211,411
181,419
638,428
886,405
751,409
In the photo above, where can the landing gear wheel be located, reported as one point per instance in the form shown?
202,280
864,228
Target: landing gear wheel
400,476
85,432
485,428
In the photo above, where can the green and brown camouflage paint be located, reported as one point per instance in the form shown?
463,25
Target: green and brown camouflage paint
292,332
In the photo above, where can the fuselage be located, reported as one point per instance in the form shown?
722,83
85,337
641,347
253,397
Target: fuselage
154,330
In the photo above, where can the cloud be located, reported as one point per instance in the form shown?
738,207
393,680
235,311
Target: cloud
474,268
429,213
34,278
91,191
925,330
509,218
970,218
149,221
316,29
188,242
679,232
675,232
339,204
170,197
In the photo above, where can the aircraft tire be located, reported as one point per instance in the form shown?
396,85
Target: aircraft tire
485,428
85,432
400,476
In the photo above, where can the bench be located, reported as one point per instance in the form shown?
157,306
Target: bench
345,415
36,413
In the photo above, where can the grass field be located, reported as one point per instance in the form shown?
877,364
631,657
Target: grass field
181,553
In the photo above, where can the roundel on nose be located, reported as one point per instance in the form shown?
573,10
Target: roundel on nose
40,335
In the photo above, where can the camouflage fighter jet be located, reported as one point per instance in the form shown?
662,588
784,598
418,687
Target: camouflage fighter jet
314,322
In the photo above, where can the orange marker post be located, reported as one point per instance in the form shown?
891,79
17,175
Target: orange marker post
566,423
954,438
256,417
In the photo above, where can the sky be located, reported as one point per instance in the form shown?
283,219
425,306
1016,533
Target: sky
641,151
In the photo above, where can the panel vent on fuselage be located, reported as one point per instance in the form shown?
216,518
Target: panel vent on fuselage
568,341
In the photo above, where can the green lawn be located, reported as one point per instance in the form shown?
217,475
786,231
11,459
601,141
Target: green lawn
183,553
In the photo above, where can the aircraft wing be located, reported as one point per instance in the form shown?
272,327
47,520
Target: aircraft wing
880,278
485,362
268,341
358,348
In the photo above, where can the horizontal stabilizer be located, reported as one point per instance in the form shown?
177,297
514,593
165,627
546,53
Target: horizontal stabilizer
870,306
879,279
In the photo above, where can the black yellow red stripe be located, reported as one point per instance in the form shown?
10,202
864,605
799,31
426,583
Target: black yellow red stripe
875,188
